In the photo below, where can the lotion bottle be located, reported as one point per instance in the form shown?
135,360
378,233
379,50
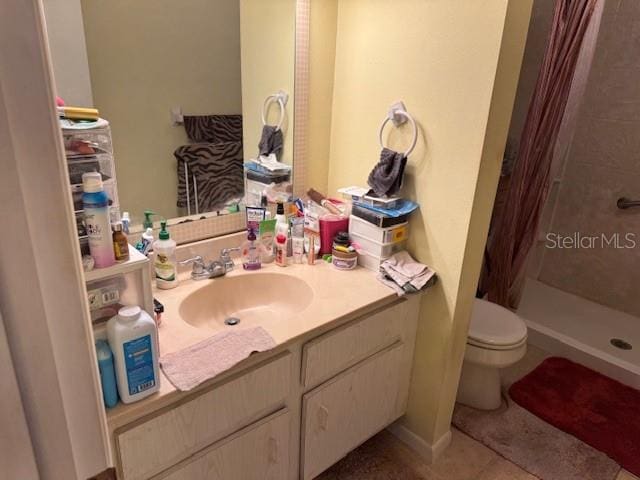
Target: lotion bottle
164,263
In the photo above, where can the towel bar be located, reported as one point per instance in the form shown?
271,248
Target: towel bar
392,115
281,98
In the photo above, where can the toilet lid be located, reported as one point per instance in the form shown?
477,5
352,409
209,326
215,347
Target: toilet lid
492,324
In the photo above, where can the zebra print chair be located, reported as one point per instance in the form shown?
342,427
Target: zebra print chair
210,170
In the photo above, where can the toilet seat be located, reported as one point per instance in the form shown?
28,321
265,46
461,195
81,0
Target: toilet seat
496,328
488,346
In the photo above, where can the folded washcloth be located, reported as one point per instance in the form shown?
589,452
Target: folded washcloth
271,163
386,177
198,363
402,273
271,141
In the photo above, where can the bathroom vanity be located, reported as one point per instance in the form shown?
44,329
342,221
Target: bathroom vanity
339,374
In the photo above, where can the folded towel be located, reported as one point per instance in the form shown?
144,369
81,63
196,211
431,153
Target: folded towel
402,273
213,128
386,177
271,164
216,169
271,141
198,363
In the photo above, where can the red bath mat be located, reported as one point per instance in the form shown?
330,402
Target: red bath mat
596,409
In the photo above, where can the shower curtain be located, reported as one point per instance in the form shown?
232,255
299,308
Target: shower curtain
514,230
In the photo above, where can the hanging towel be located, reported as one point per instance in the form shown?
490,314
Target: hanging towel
405,275
188,368
271,141
219,175
213,128
386,177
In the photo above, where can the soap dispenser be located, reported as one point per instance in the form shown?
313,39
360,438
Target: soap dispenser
164,263
251,252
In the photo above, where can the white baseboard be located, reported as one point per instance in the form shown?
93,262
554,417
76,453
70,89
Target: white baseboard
428,452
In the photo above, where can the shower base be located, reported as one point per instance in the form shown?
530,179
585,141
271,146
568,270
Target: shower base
583,331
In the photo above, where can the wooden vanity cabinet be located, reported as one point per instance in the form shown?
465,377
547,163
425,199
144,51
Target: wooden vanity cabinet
259,452
292,416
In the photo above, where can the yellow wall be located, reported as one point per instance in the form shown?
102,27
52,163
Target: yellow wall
146,57
443,58
268,53
322,49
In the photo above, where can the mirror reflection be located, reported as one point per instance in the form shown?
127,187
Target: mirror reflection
198,96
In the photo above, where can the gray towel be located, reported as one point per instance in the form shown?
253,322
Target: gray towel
386,177
402,273
271,141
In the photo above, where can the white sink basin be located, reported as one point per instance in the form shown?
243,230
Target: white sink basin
253,299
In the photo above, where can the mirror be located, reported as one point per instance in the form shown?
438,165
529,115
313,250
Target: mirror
185,87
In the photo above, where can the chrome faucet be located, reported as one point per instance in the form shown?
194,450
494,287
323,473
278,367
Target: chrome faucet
216,268
225,258
202,270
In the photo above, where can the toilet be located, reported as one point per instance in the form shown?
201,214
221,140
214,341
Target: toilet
497,339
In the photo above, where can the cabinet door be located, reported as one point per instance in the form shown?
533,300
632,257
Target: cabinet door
344,412
333,352
259,452
162,440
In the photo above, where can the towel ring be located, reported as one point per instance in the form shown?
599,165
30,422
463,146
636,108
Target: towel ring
411,121
268,101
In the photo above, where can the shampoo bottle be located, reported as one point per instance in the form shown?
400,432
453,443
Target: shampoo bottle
133,338
95,203
165,265
107,374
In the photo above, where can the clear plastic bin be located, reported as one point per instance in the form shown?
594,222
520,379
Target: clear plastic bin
87,142
103,164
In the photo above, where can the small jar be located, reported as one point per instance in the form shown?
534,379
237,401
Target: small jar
344,260
341,239
120,243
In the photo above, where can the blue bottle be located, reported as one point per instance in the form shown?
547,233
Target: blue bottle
107,373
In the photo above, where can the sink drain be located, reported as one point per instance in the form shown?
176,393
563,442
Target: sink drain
232,321
621,344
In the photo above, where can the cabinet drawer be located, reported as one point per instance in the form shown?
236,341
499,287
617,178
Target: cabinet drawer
341,414
154,444
343,347
259,452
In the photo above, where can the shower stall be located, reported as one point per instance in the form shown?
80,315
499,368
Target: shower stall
581,297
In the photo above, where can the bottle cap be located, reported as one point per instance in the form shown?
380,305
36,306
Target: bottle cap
103,351
280,209
116,227
129,313
91,182
164,234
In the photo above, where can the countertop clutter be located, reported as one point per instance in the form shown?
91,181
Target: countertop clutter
334,297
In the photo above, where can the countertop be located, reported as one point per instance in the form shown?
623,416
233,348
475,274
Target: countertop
337,296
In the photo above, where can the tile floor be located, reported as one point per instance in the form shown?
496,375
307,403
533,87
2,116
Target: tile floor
384,457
